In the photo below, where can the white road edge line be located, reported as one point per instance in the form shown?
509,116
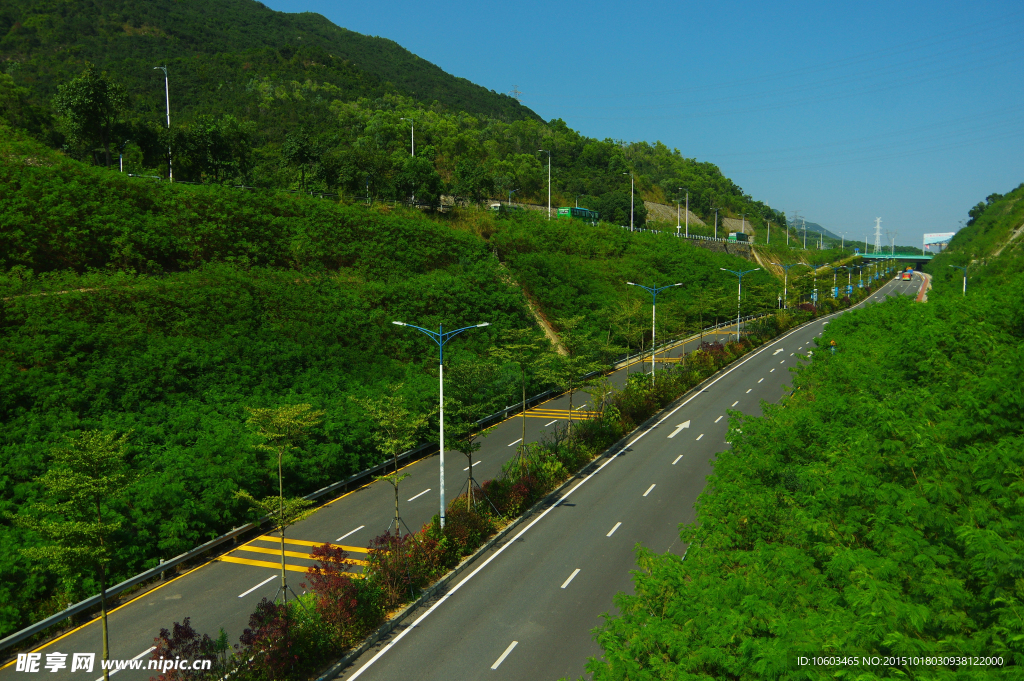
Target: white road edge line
144,652
648,491
612,531
268,579
677,459
420,494
574,573
516,442
541,516
350,533
503,655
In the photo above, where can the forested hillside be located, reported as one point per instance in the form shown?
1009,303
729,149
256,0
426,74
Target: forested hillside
165,310
875,512
263,98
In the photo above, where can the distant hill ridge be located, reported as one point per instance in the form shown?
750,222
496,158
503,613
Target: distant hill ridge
227,41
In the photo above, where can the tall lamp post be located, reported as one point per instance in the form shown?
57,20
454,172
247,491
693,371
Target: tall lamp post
630,173
785,281
548,152
654,291
964,270
679,226
716,222
835,289
815,267
441,337
167,94
739,294
412,135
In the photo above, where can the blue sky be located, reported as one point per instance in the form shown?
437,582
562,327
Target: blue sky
912,112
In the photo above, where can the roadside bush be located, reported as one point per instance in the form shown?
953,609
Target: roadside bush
270,641
336,596
185,642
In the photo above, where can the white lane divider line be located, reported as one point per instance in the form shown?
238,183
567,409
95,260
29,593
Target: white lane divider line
719,418
678,429
144,652
700,436
736,402
790,354
501,659
516,442
772,371
649,490
574,573
612,531
475,463
420,494
749,389
677,459
350,533
268,579
760,379
580,407
545,425
513,542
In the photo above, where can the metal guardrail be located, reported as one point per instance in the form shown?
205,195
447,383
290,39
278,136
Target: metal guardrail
156,572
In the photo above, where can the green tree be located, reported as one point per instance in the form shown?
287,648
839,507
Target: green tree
522,347
85,479
397,429
301,150
89,107
567,371
282,430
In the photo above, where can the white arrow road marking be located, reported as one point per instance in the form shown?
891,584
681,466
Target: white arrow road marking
679,428
778,351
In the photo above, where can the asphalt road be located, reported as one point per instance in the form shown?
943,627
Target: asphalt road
641,496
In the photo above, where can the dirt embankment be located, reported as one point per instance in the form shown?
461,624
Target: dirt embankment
663,213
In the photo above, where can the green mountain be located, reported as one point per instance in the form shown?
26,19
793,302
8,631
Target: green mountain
267,99
215,50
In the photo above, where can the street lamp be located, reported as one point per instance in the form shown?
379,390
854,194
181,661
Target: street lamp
716,222
441,337
548,152
739,294
679,226
167,94
785,284
835,289
412,135
654,291
743,223
964,270
630,199
815,267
